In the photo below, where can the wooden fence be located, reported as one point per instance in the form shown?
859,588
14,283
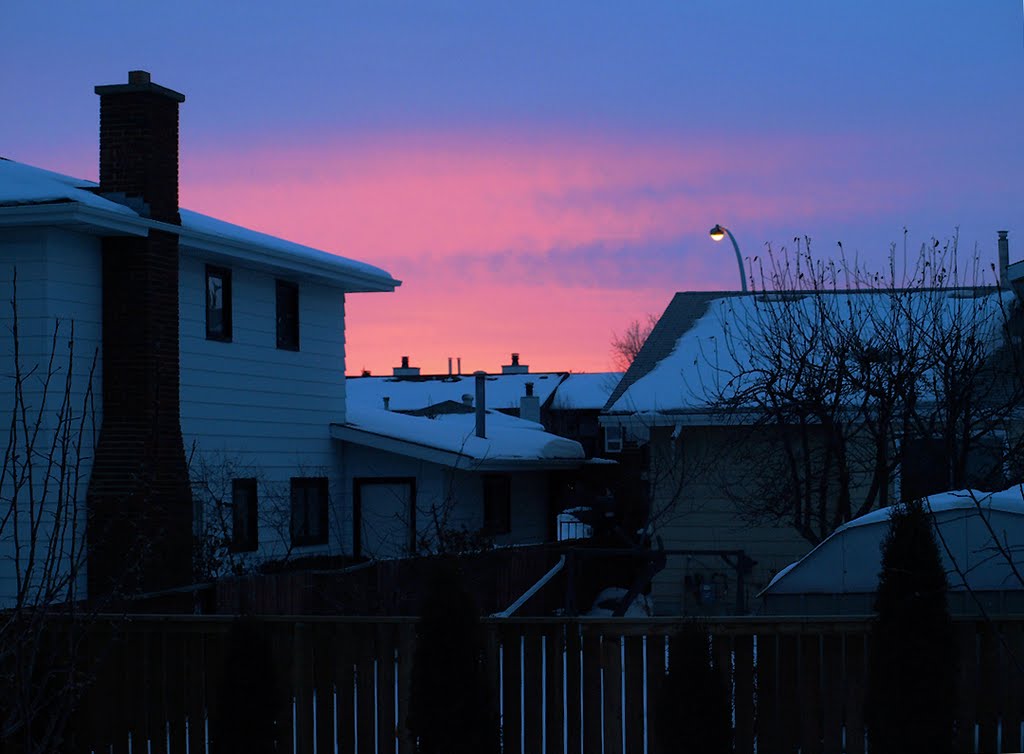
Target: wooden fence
582,685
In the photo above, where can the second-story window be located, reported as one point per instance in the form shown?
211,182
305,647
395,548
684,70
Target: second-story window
218,303
287,316
309,511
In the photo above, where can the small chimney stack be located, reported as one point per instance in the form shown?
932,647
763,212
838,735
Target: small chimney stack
529,405
405,370
1004,259
139,146
515,367
481,404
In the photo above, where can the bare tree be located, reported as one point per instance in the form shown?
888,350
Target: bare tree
50,435
627,344
850,388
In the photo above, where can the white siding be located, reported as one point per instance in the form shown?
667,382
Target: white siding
58,285
454,496
249,409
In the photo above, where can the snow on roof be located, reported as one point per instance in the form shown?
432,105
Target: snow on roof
701,342
849,560
585,391
22,185
508,439
502,391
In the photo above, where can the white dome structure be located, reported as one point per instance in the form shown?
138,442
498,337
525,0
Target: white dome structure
980,538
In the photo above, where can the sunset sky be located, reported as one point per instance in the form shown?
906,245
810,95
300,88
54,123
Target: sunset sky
539,174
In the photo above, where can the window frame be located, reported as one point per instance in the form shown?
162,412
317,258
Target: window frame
224,273
244,541
285,343
300,487
496,522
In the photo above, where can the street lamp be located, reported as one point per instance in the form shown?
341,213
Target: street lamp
718,233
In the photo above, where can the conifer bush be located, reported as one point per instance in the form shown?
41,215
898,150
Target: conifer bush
250,712
693,712
912,681
450,711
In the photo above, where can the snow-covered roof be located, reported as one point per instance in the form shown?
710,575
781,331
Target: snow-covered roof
850,559
699,348
585,391
501,391
450,439
33,196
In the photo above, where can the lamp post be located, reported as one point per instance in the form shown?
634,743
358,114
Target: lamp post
718,233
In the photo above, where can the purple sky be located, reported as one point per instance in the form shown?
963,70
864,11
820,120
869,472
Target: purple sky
539,176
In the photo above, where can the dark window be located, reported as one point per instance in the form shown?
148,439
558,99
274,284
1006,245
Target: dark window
245,533
497,504
309,511
218,303
287,316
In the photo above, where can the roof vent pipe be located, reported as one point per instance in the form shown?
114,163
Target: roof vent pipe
481,406
387,403
1004,259
449,366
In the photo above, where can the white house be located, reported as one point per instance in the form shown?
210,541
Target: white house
219,368
439,483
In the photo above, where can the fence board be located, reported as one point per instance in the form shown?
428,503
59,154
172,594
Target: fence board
967,636
195,687
1013,685
554,710
988,688
174,675
611,681
512,716
767,721
366,695
633,715
533,690
655,663
406,650
743,694
302,686
592,701
788,692
343,639
855,649
573,688
386,688
809,695
322,669
831,690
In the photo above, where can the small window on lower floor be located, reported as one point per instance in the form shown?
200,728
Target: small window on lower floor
245,531
309,511
497,504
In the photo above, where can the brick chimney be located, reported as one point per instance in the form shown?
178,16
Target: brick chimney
140,505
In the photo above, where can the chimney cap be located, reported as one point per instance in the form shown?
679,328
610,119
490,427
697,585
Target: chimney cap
140,82
1003,233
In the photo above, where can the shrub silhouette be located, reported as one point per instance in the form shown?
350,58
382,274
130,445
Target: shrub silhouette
449,708
249,710
692,712
911,691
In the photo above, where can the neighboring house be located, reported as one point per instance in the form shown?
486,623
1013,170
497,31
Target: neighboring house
979,535
221,355
566,403
711,445
453,482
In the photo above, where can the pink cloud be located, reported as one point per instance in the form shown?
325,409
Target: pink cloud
398,196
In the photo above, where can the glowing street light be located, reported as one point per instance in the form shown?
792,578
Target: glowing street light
717,234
